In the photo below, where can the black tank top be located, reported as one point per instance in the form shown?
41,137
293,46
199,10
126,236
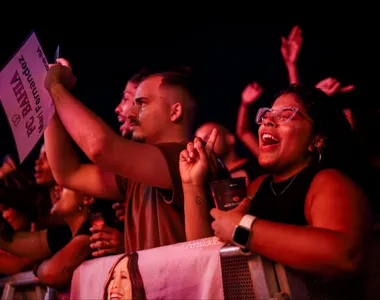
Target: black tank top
284,201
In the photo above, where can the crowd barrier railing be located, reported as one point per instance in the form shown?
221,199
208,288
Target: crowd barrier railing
243,277
10,284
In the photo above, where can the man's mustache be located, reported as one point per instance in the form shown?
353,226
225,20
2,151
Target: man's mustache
134,122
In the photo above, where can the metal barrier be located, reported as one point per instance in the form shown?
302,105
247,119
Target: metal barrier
245,276
250,276
10,284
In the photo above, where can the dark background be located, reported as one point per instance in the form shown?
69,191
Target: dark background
224,57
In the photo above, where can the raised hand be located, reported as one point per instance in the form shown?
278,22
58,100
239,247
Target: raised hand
290,47
7,167
198,161
332,86
64,62
60,73
251,93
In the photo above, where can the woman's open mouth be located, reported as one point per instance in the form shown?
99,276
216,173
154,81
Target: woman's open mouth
269,141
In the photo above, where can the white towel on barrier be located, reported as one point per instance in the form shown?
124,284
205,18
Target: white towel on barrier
189,270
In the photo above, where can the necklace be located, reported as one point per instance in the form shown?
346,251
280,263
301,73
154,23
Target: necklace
283,191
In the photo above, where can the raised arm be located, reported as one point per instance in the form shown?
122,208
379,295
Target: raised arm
243,130
331,86
7,167
290,48
197,162
69,172
112,153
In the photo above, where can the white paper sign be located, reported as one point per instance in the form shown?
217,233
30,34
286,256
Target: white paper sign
27,104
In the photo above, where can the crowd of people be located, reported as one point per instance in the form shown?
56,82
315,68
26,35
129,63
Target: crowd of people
311,204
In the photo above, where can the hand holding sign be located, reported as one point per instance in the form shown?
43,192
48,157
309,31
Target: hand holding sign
197,161
64,62
60,73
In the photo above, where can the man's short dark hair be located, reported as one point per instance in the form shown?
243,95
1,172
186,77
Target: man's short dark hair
182,78
140,76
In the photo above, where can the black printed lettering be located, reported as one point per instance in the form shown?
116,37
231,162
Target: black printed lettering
27,73
21,95
15,78
21,59
26,110
30,127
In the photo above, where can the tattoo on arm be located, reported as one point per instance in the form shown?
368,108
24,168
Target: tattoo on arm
198,200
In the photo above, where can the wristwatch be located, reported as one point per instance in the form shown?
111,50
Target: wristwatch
242,231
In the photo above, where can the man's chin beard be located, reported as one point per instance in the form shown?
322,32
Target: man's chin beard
127,135
137,139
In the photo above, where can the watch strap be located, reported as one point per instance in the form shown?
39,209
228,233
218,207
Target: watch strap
247,221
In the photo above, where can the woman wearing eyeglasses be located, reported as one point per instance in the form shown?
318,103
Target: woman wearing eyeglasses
308,213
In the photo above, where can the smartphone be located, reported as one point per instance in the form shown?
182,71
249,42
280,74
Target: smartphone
228,193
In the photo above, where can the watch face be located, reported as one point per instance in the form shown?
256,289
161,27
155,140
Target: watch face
241,235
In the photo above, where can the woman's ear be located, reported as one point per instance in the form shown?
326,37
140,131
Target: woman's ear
317,143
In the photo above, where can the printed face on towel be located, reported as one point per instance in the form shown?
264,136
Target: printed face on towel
124,280
120,284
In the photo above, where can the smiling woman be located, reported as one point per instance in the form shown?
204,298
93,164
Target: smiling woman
305,119
124,279
308,213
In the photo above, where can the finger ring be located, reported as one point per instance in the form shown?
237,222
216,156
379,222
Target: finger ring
108,243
